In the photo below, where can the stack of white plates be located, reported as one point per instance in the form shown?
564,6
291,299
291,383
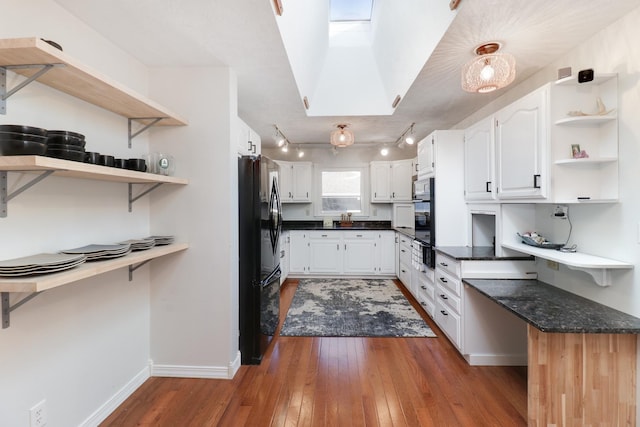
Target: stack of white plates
40,264
99,252
140,244
162,240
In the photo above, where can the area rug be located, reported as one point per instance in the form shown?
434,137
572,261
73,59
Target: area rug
352,308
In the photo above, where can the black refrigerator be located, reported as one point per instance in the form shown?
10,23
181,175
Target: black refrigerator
260,222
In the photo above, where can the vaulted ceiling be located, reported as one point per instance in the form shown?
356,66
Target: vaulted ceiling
245,36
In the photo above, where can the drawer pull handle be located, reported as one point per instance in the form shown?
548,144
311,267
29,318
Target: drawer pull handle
444,312
358,235
402,250
324,235
443,280
423,287
404,271
443,296
444,264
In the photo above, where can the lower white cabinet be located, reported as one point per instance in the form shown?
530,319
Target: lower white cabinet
341,252
483,334
284,256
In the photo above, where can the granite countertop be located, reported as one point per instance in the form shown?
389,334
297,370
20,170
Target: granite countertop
477,253
551,309
317,225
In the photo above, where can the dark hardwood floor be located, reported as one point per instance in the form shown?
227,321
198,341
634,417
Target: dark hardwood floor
339,382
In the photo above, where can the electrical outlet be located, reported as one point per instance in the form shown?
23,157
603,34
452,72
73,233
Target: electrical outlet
553,265
561,211
38,414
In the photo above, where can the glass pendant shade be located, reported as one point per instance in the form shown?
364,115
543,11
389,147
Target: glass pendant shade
489,71
342,137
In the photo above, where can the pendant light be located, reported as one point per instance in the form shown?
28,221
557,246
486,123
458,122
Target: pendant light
491,70
342,137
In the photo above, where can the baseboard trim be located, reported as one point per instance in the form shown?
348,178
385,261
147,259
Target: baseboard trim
496,359
234,365
186,371
116,400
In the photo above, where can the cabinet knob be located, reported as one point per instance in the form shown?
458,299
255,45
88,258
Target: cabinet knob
488,186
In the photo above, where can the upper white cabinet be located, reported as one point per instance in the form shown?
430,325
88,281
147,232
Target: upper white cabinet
295,182
479,161
249,142
521,137
425,158
391,181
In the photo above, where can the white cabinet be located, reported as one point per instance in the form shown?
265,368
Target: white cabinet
391,181
325,253
249,143
359,252
425,158
478,161
298,252
521,137
284,256
385,256
404,260
295,182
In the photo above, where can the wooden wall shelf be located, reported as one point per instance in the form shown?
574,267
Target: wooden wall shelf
74,78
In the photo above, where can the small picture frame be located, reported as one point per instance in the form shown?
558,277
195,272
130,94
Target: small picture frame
575,151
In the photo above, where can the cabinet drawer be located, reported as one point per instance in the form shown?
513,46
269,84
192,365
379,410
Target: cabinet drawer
404,240
405,255
444,279
426,287
428,306
404,274
449,322
447,298
448,264
324,234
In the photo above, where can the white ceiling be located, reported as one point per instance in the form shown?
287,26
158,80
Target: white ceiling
243,34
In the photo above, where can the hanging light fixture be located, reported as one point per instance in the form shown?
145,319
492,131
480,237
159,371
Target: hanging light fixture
490,71
342,137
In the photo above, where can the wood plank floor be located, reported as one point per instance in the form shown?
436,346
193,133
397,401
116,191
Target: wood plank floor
339,382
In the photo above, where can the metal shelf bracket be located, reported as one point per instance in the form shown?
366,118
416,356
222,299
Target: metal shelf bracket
5,197
132,134
134,268
133,198
5,93
7,308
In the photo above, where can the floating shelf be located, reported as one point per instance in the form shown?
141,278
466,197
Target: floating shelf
83,271
596,266
586,120
76,79
597,79
589,161
68,168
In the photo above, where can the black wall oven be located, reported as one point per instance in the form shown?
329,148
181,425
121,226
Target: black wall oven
424,222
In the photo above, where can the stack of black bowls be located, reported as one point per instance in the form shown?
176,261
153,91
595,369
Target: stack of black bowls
19,140
65,145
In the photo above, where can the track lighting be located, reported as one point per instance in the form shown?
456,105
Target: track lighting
384,151
409,138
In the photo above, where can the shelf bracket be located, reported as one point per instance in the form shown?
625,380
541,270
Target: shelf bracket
5,94
132,134
5,197
134,268
7,308
601,276
133,198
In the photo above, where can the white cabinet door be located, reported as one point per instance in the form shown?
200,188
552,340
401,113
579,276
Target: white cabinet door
380,182
298,251
478,161
248,141
386,252
301,181
401,180
359,252
284,256
425,158
325,253
295,181
521,141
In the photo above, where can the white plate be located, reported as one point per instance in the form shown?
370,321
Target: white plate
39,260
89,249
41,270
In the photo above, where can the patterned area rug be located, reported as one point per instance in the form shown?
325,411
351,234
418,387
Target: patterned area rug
352,308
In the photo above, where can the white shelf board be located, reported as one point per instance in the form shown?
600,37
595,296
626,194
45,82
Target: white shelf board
83,271
586,120
68,168
586,161
574,259
597,79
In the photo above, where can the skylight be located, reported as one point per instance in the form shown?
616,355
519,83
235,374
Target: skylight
350,10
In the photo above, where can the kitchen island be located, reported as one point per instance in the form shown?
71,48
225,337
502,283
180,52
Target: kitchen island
581,354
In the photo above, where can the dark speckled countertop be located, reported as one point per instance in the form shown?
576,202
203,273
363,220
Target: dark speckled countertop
551,309
357,225
477,253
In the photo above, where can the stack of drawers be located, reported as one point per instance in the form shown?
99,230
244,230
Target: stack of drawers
448,299
404,260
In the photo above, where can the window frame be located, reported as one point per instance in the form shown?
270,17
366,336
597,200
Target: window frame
364,189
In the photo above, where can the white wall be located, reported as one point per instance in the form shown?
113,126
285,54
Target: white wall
78,345
194,307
